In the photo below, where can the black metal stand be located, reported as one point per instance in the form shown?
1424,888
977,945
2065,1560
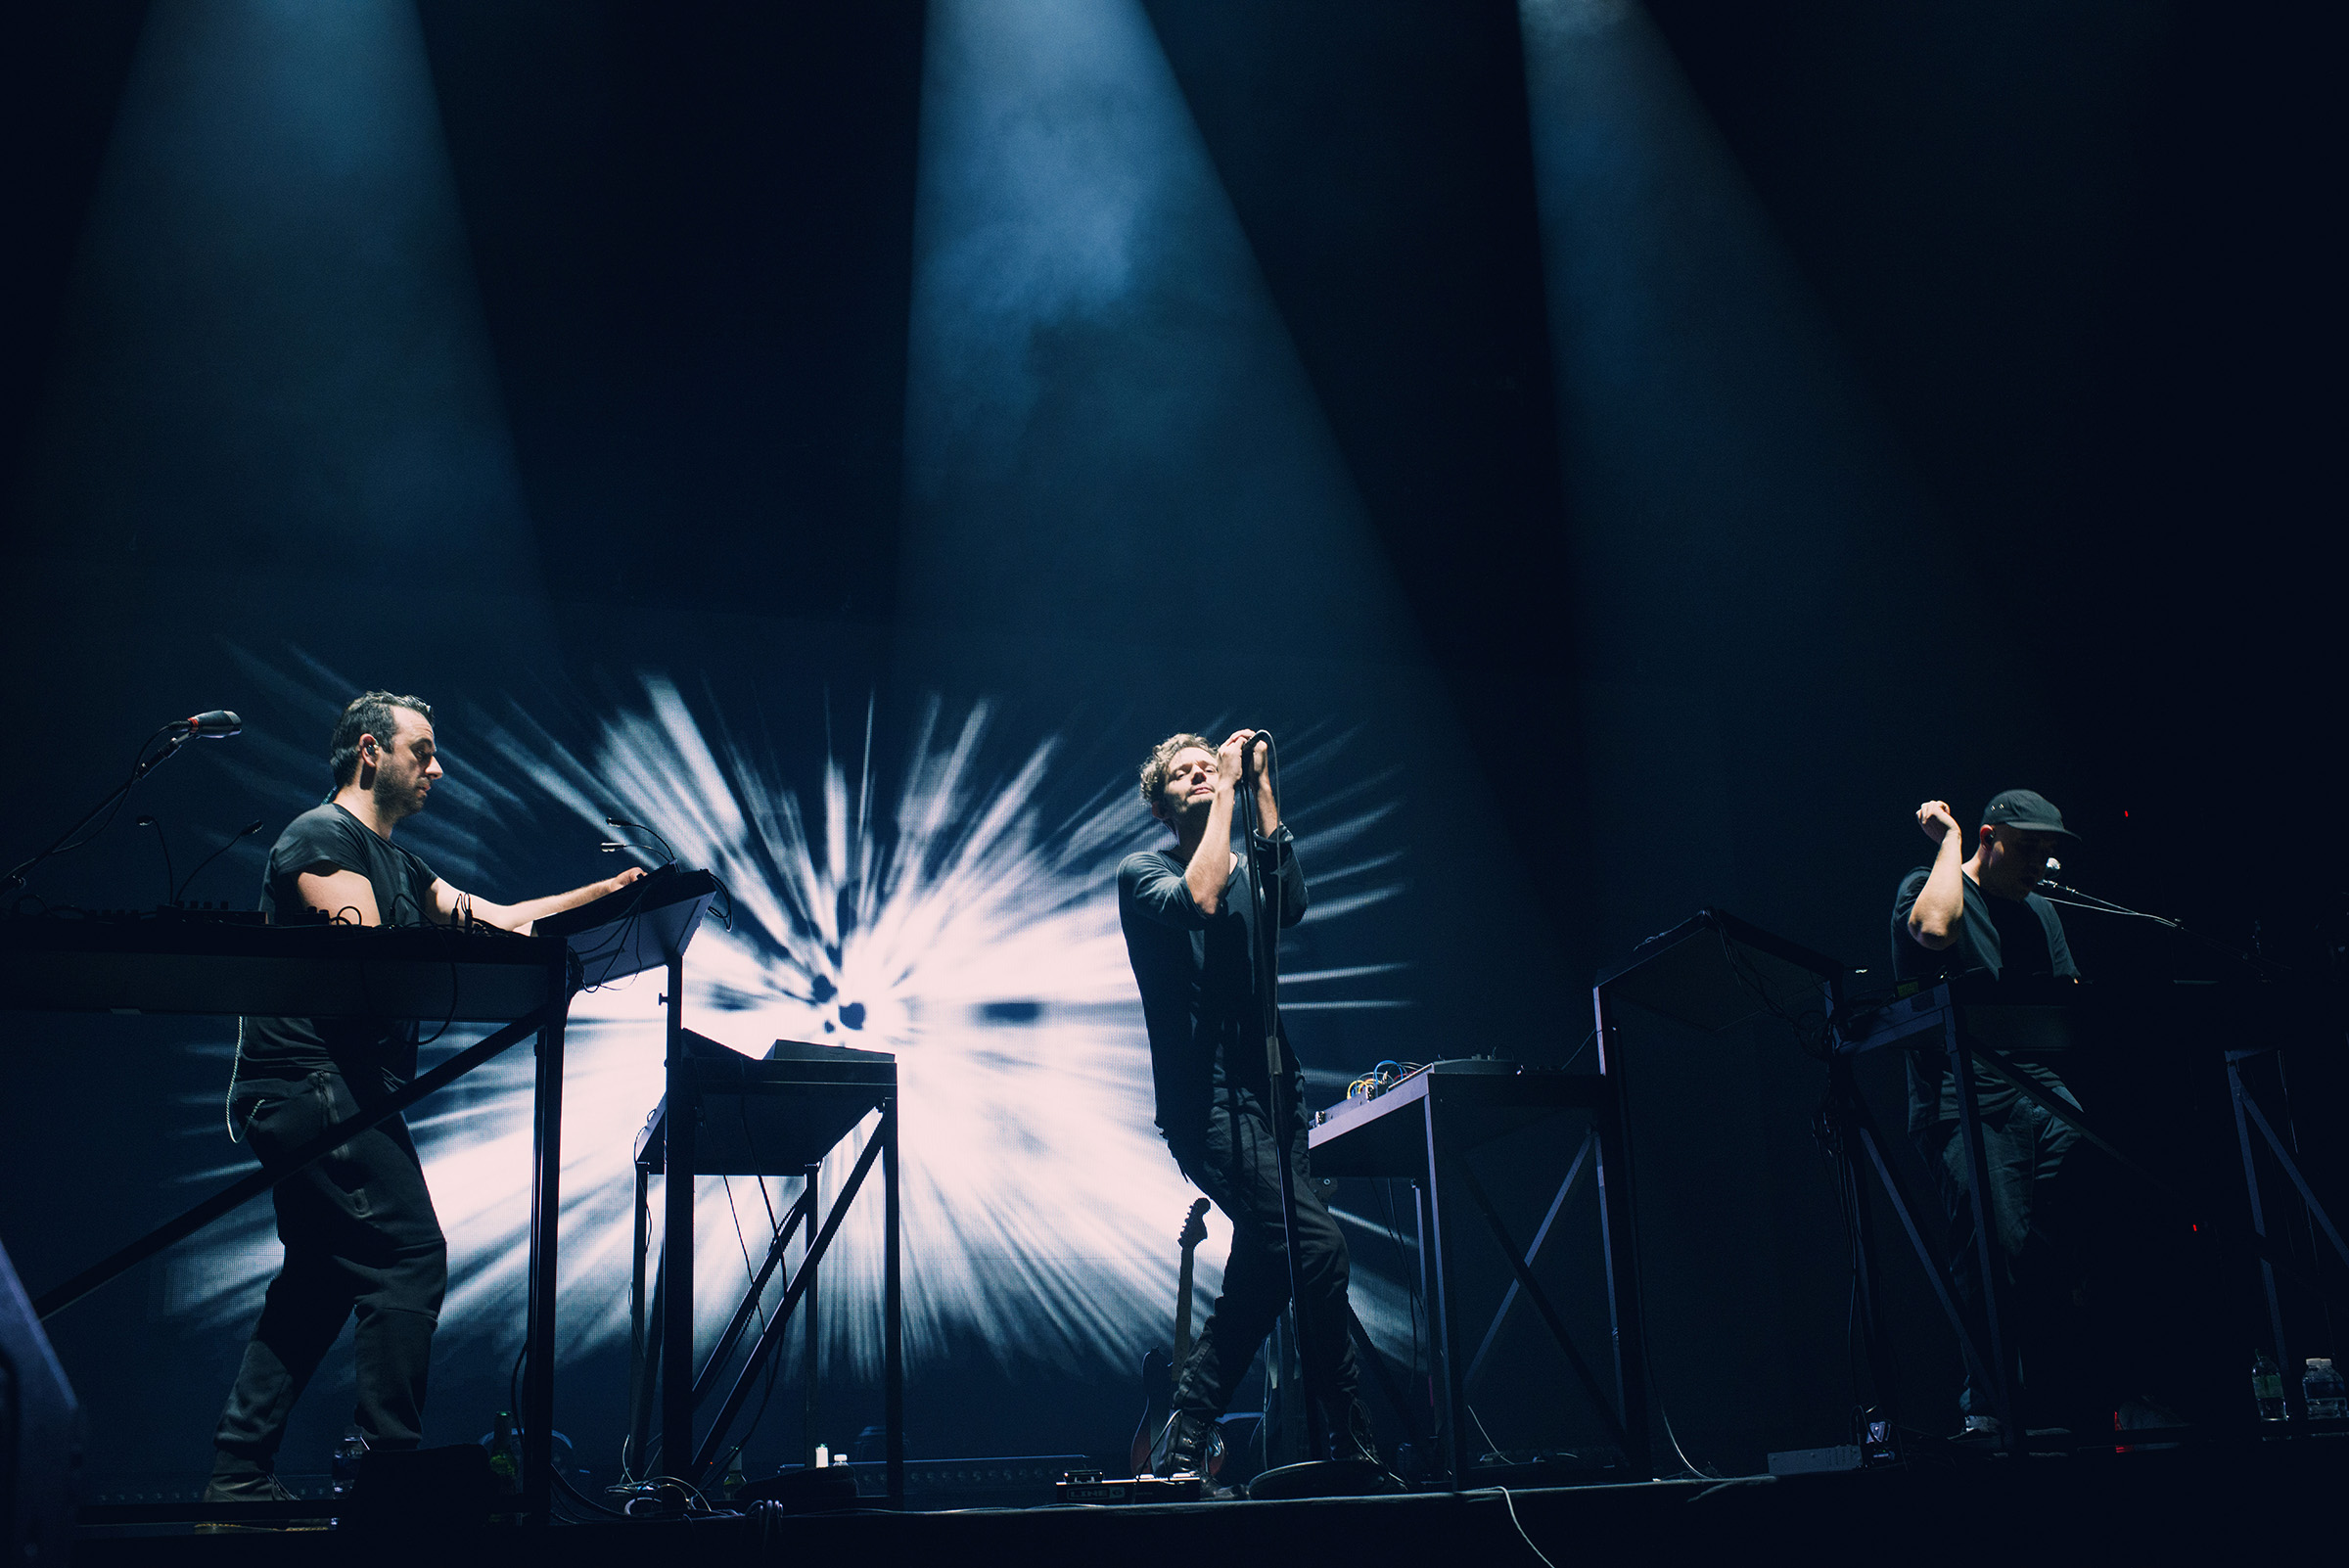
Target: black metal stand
1852,1123
775,1117
2250,1116
681,1128
1941,1011
1265,913
1425,1128
537,1413
884,1145
248,1187
537,1404
1709,972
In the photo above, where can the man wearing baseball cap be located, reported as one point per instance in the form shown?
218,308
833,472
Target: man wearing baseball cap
1977,914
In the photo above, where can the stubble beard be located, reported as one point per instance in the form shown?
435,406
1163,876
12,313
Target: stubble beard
394,805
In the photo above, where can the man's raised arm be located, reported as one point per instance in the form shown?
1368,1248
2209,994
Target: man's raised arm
1940,908
1210,871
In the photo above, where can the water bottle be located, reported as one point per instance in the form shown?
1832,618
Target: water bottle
2266,1386
2327,1396
505,1455
345,1460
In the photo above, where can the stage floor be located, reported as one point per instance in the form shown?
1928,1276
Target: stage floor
2206,1503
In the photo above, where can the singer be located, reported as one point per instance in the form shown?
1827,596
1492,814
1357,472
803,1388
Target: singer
1188,915
358,1226
1977,915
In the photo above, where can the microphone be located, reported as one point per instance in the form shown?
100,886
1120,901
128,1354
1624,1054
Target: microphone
216,724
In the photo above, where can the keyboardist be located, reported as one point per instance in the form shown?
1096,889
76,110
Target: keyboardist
358,1226
1977,914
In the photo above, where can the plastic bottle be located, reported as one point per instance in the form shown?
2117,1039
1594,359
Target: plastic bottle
505,1455
2327,1396
2267,1387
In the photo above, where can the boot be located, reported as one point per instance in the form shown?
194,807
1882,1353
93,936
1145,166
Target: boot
1186,1449
236,1479
1356,1438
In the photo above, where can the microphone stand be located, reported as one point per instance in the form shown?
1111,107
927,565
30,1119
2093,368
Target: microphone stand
1265,908
2055,892
144,766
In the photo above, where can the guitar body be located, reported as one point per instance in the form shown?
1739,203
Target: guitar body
1148,1450
1158,1402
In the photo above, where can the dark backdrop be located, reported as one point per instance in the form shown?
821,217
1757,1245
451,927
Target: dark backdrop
2074,266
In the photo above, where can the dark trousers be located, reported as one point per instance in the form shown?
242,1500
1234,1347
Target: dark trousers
360,1235
2023,1147
1236,1166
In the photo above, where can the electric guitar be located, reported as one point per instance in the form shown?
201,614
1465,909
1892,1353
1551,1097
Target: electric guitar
1151,1437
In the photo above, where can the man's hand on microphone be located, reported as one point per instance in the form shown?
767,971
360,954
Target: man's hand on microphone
1241,761
1230,760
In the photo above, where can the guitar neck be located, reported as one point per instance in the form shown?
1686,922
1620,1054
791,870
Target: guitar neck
1182,1312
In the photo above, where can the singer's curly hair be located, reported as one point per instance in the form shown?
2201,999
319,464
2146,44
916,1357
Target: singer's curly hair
369,713
1155,765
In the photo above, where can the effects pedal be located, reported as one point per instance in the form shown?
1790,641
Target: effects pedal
1092,1486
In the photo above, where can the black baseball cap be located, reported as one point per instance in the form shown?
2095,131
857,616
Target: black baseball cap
2027,809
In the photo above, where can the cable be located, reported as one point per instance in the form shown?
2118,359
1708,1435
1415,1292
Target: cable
452,1006
748,1270
595,1510
236,1065
1680,1453
773,1363
680,1484
1506,1502
1734,1481
241,835
1811,1043
1411,1275
1490,1446
163,842
644,827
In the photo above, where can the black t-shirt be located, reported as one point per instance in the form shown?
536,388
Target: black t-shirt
1996,936
1196,973
2001,938
368,1051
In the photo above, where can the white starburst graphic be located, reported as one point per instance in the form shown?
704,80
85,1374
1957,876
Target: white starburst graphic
963,918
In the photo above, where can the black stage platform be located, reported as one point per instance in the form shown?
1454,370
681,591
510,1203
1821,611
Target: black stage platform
2228,1504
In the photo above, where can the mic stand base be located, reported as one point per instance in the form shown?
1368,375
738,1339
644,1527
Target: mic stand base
1323,1478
